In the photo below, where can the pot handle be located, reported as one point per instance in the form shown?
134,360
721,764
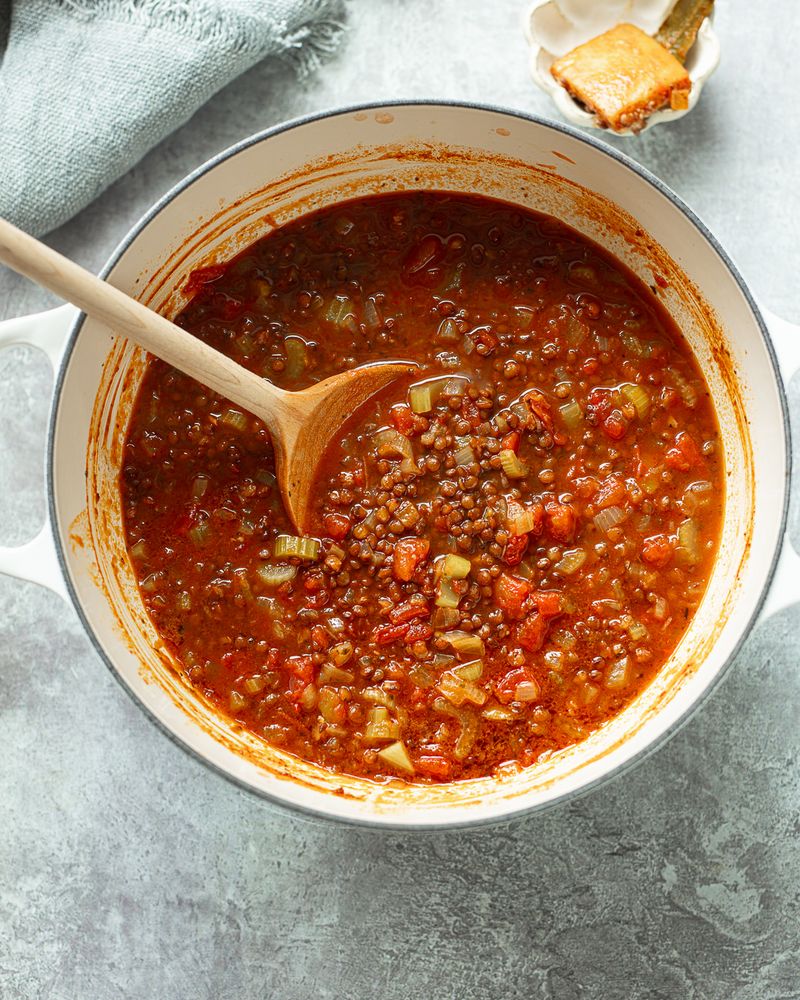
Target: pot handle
785,588
36,561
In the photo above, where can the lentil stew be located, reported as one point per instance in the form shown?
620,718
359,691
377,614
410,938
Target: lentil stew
507,550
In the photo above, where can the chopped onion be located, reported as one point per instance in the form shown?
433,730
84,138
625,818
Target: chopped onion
234,418
468,344
469,726
498,713
420,398
302,547
526,691
397,756
618,674
684,387
372,315
200,533
392,444
455,567
447,332
340,653
329,705
464,455
331,674
570,562
139,550
571,414
638,397
274,576
471,671
465,643
445,617
255,684
609,518
446,597
457,690
639,348
199,486
237,701
512,466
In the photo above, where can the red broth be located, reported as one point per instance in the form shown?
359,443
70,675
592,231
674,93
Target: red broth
506,551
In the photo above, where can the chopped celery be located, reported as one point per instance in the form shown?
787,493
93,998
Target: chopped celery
255,684
572,414
301,547
512,466
234,418
397,756
274,576
341,313
689,541
638,397
296,356
420,398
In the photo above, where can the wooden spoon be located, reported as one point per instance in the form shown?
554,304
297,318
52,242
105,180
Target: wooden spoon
302,424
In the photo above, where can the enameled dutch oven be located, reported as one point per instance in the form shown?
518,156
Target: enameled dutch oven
279,174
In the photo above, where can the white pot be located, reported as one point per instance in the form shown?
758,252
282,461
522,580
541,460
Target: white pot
273,177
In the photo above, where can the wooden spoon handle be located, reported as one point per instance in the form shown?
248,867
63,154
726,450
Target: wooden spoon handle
122,314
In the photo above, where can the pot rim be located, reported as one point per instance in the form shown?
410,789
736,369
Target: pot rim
624,161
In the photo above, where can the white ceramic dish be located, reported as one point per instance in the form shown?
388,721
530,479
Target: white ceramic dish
277,175
555,27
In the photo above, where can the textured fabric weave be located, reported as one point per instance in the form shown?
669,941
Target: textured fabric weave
88,86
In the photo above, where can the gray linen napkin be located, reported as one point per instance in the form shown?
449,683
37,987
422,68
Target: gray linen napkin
88,86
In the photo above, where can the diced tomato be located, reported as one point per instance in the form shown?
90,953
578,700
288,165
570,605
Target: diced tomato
531,632
511,441
590,366
484,336
434,767
336,526
408,554
403,418
203,276
510,593
669,397
561,520
685,455
320,637
301,667
548,602
540,410
657,550
599,404
515,549
470,412
610,494
418,632
506,687
615,425
186,520
385,634
408,611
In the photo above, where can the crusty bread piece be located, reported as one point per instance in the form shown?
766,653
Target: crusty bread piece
623,76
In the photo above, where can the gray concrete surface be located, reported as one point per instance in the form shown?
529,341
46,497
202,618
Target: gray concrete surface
127,870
